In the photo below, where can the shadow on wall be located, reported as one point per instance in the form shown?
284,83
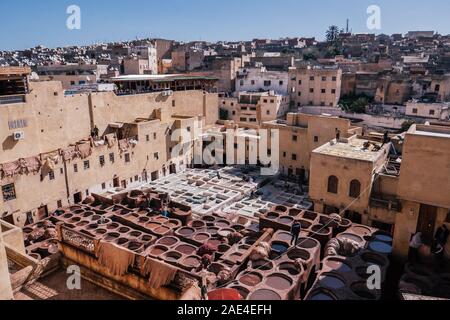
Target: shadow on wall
9,143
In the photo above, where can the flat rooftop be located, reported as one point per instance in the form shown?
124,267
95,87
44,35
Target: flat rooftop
354,149
159,77
430,131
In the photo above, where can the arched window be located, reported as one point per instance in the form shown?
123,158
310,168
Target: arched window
355,189
333,183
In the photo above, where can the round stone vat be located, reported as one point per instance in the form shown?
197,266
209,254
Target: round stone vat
281,209
263,265
214,243
329,222
290,267
222,248
297,253
383,238
135,234
222,223
361,230
209,218
373,258
283,236
111,236
337,264
212,230
158,250
351,236
186,231
294,212
237,227
215,267
75,220
191,262
360,289
305,224
286,220
143,220
124,230
161,230
279,247
279,281
272,215
88,214
309,215
152,225
251,279
100,231
331,281
322,294
242,291
307,243
146,238
186,249
79,211
122,241
224,233
264,295
167,241
380,247
201,237
197,224
135,246
172,256
112,226
82,223
320,229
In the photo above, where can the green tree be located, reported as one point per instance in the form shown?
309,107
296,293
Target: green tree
406,125
332,33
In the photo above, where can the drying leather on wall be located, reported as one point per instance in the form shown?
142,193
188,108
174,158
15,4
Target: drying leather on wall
115,258
161,274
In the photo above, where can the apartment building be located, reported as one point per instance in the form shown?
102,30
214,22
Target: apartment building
315,86
72,74
49,158
368,182
421,109
259,79
254,107
147,53
300,134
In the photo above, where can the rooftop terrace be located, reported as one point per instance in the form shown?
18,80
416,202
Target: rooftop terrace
353,148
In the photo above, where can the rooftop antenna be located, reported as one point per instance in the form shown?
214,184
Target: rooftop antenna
348,21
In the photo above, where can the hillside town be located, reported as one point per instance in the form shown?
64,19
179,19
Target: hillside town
103,167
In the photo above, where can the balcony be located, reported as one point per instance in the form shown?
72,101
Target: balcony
388,202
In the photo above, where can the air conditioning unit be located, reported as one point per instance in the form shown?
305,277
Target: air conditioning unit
167,93
19,135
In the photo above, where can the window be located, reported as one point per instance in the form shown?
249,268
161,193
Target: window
173,103
281,83
355,189
136,178
234,113
294,157
101,159
299,82
414,110
127,157
333,183
252,120
86,165
311,90
333,91
147,138
294,138
9,192
59,204
253,82
156,156
284,154
324,78
269,152
188,129
241,82
268,112
431,112
111,157
323,91
322,103
61,171
267,83
103,186
437,88
316,139
334,78
311,78
51,175
272,101
265,100
299,94
75,168
155,136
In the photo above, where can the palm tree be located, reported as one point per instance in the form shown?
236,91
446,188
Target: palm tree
332,33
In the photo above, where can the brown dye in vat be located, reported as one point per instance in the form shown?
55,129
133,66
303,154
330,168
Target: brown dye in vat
186,231
158,250
222,224
168,241
286,220
201,237
251,279
185,249
307,243
191,262
265,295
351,236
172,256
290,268
152,225
162,230
279,282
284,236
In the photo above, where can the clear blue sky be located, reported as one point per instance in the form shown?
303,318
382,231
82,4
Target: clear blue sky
26,23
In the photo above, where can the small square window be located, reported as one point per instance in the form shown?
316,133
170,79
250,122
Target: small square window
86,165
294,157
156,156
431,112
311,78
334,78
294,138
9,192
324,78
311,90
51,175
316,139
323,91
127,158
103,186
414,110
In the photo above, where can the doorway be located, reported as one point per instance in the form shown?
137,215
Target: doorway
78,197
116,182
42,213
427,222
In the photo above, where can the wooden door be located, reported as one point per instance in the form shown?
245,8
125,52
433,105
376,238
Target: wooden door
427,222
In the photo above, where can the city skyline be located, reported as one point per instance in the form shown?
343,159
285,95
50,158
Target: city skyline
206,21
